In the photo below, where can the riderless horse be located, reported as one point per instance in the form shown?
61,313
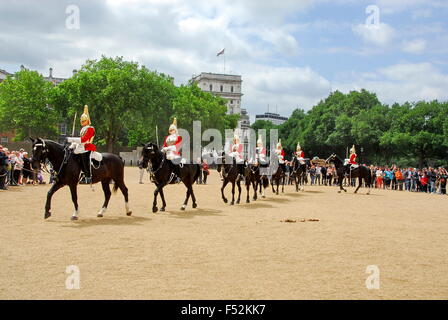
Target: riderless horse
360,172
162,173
67,169
228,169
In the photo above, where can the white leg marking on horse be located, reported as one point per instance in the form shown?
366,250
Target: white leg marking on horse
102,211
126,204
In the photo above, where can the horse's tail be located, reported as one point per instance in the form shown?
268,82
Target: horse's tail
115,188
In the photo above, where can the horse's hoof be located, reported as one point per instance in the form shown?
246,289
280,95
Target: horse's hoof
238,202
129,213
263,196
345,190
47,215
162,209
195,205
232,203
73,218
183,208
99,215
225,200
339,191
248,201
154,209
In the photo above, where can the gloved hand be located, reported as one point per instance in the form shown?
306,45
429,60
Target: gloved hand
73,140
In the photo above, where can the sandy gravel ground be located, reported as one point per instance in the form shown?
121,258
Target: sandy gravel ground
223,252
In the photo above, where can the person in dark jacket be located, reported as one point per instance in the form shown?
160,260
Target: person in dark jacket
3,170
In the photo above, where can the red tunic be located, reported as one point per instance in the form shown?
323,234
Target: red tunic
300,154
87,139
239,149
177,143
353,158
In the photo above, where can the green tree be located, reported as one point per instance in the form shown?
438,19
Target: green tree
122,97
24,106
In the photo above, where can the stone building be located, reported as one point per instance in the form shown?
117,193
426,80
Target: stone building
275,118
229,87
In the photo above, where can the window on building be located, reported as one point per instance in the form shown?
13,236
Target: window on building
211,87
231,88
4,139
221,88
231,101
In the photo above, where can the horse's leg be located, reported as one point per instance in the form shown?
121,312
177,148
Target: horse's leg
233,193
255,186
107,194
193,198
50,193
156,192
283,184
124,191
186,200
247,190
222,190
272,184
239,192
74,192
340,184
359,183
162,196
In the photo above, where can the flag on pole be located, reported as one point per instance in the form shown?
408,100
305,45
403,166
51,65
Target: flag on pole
220,52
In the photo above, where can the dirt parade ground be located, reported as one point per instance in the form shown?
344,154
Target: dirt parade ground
218,251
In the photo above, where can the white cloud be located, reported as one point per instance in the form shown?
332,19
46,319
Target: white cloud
415,46
379,35
402,82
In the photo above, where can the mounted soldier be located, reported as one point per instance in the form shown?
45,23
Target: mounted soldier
84,146
352,159
280,153
172,146
236,152
299,154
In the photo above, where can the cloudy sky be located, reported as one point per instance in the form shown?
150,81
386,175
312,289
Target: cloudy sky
290,53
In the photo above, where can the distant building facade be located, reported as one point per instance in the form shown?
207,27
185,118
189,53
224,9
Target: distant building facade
229,87
3,75
275,118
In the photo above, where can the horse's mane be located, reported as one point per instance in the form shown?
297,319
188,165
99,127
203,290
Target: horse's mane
51,142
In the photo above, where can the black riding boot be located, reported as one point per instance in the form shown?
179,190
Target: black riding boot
241,171
176,170
86,166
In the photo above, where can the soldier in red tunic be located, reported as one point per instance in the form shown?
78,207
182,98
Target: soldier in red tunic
236,152
172,146
280,153
84,145
353,157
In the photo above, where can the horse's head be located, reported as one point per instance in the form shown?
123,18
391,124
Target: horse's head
331,158
40,152
150,153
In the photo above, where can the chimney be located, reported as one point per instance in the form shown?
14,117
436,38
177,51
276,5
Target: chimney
74,71
51,73
22,67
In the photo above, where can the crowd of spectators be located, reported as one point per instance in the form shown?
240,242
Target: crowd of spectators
16,170
428,180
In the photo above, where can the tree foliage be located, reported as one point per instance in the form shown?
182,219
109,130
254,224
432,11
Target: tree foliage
24,106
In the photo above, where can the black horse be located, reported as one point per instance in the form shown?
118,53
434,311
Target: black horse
252,177
68,169
229,171
278,176
162,173
361,172
299,172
